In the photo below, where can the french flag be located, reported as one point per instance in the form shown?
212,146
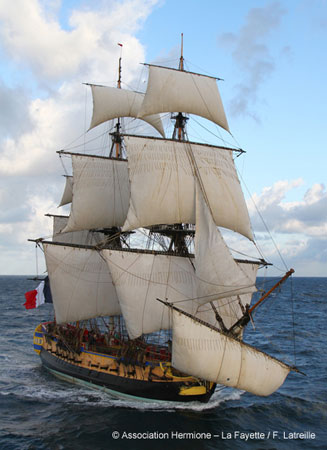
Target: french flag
38,296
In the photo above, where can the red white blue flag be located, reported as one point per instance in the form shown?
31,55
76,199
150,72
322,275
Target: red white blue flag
39,295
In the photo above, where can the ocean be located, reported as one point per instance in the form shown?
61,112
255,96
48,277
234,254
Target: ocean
38,411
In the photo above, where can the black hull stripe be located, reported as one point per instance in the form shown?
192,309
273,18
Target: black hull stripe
165,391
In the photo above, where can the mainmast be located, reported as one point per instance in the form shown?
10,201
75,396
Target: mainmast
180,120
179,232
116,146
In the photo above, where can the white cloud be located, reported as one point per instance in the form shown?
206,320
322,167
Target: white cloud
300,227
35,38
307,216
273,195
26,221
14,118
88,52
55,61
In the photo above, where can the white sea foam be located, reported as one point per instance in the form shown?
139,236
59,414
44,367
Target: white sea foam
218,397
61,391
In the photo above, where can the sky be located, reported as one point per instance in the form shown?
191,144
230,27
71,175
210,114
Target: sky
271,56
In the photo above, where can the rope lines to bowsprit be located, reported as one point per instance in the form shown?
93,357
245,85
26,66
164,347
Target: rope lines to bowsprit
266,227
271,344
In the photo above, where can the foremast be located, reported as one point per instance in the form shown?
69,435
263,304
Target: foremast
116,151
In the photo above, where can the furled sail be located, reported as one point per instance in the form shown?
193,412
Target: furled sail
68,191
206,353
218,274
100,193
81,284
83,237
141,278
162,177
110,103
171,90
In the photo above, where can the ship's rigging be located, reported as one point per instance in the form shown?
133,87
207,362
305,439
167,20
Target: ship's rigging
177,193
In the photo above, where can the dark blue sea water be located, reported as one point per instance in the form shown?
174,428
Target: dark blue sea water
37,411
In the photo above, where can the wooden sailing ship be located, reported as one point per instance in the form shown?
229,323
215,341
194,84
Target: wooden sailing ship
162,322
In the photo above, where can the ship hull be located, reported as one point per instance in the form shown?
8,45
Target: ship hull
105,372
119,386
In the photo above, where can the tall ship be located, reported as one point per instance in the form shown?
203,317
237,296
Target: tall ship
149,301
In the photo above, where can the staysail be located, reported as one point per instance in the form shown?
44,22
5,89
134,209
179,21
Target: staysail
140,278
218,274
68,191
170,90
81,284
214,356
